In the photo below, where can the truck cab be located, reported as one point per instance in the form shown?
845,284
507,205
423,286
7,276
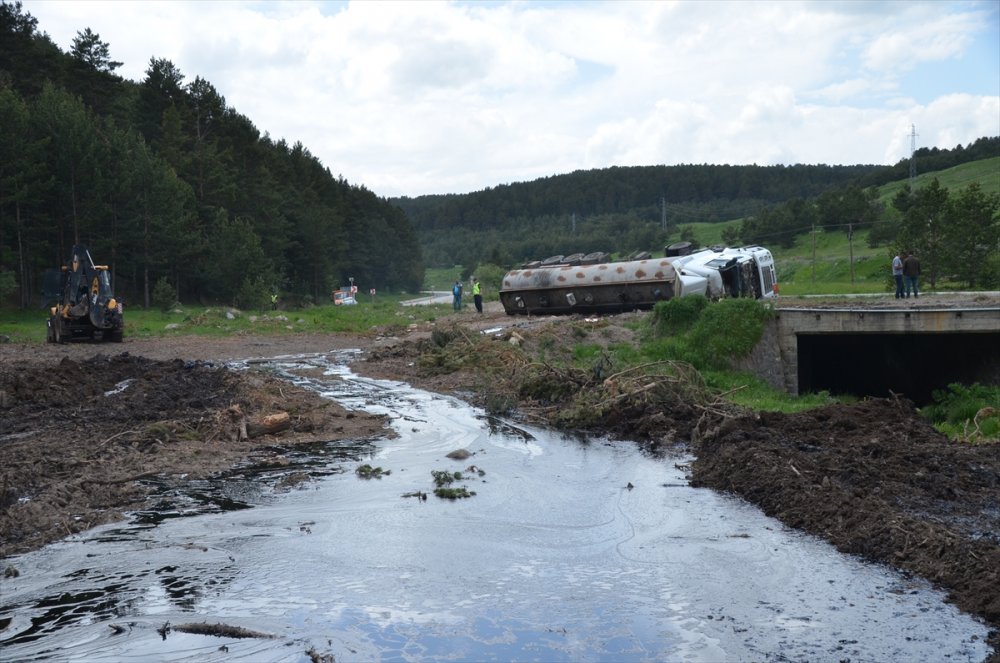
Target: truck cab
728,272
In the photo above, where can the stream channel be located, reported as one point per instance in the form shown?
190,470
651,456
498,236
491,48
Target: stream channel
570,550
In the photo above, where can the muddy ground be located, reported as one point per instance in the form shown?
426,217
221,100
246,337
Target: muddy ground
78,436
872,478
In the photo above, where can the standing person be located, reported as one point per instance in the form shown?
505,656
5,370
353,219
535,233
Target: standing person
911,270
477,294
897,274
456,293
274,301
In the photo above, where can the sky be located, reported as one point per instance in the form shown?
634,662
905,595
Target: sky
412,98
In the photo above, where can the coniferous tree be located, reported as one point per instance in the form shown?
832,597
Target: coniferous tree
88,48
22,179
972,234
924,229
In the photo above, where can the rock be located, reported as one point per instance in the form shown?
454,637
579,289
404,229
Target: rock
460,454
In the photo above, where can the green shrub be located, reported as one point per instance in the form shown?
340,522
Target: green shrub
969,413
445,478
366,471
163,295
688,329
677,315
254,294
728,330
454,493
587,352
8,285
491,279
990,276
442,337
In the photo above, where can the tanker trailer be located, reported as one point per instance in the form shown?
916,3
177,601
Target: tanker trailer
552,287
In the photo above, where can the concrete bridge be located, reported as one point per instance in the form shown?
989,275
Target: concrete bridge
872,351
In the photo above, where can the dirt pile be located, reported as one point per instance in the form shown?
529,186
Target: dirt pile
76,435
876,480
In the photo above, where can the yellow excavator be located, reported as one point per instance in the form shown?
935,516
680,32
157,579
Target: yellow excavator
82,305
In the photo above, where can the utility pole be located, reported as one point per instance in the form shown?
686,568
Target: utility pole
913,163
574,223
663,212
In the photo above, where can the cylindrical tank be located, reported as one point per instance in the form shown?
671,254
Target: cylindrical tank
605,287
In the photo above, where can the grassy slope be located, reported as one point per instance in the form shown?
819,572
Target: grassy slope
984,171
830,272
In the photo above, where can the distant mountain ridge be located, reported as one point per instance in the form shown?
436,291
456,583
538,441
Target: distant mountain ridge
684,193
623,208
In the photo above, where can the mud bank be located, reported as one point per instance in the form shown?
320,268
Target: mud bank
876,480
81,440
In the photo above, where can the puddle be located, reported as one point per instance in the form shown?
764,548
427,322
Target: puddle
569,551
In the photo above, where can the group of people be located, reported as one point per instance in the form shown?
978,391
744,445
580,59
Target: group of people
905,271
477,295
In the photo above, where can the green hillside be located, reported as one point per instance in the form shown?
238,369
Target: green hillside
827,266
985,171
621,210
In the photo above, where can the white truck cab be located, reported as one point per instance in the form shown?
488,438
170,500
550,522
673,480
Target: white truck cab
719,272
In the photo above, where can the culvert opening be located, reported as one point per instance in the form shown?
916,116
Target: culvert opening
913,365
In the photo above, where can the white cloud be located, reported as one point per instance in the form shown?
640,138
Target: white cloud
432,97
939,38
843,90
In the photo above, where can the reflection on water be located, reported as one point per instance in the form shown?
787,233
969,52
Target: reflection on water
569,550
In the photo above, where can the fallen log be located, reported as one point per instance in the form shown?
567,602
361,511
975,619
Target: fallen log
269,425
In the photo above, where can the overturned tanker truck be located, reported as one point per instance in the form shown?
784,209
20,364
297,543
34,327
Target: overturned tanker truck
592,284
